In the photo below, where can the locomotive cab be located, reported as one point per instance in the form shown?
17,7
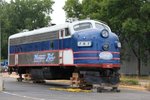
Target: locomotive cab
96,52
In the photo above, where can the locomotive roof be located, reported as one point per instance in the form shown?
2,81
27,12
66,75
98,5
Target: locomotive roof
50,29
40,30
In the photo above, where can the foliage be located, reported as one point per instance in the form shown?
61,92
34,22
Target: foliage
73,8
130,19
22,14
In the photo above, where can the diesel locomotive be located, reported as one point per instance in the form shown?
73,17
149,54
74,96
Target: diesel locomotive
86,49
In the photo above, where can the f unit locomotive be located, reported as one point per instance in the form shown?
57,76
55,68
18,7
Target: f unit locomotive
86,49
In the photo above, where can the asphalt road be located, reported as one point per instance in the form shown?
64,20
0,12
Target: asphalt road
28,91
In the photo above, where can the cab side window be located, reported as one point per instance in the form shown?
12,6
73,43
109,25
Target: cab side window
62,33
67,33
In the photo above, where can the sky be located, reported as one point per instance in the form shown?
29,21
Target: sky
58,15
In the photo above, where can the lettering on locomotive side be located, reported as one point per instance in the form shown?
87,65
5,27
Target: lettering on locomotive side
42,58
50,57
39,58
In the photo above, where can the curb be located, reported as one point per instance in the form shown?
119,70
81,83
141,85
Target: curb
70,90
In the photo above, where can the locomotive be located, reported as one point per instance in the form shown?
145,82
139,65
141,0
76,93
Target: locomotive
86,49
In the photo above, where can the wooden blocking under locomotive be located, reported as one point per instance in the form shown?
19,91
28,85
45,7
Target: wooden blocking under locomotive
27,77
95,80
75,80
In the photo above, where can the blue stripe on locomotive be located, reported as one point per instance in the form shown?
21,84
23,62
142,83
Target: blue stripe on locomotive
40,46
89,35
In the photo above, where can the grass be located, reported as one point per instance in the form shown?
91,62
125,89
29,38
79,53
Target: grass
135,80
136,77
129,81
132,80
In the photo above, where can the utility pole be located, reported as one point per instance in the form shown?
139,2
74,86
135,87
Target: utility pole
1,78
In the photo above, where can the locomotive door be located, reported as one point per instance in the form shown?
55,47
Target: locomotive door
16,59
65,55
61,37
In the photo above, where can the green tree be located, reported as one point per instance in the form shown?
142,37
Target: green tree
130,19
73,8
130,16
22,14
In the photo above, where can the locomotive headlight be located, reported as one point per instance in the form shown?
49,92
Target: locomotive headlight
105,47
104,33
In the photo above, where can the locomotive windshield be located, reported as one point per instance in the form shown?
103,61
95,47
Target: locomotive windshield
82,26
101,26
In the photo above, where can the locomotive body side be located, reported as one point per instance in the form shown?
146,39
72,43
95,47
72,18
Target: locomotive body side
40,53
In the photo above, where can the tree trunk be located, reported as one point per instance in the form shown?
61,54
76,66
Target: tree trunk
139,67
139,59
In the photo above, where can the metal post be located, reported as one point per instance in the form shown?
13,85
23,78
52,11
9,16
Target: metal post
1,78
1,83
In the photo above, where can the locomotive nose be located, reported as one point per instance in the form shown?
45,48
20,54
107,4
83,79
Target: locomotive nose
92,48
